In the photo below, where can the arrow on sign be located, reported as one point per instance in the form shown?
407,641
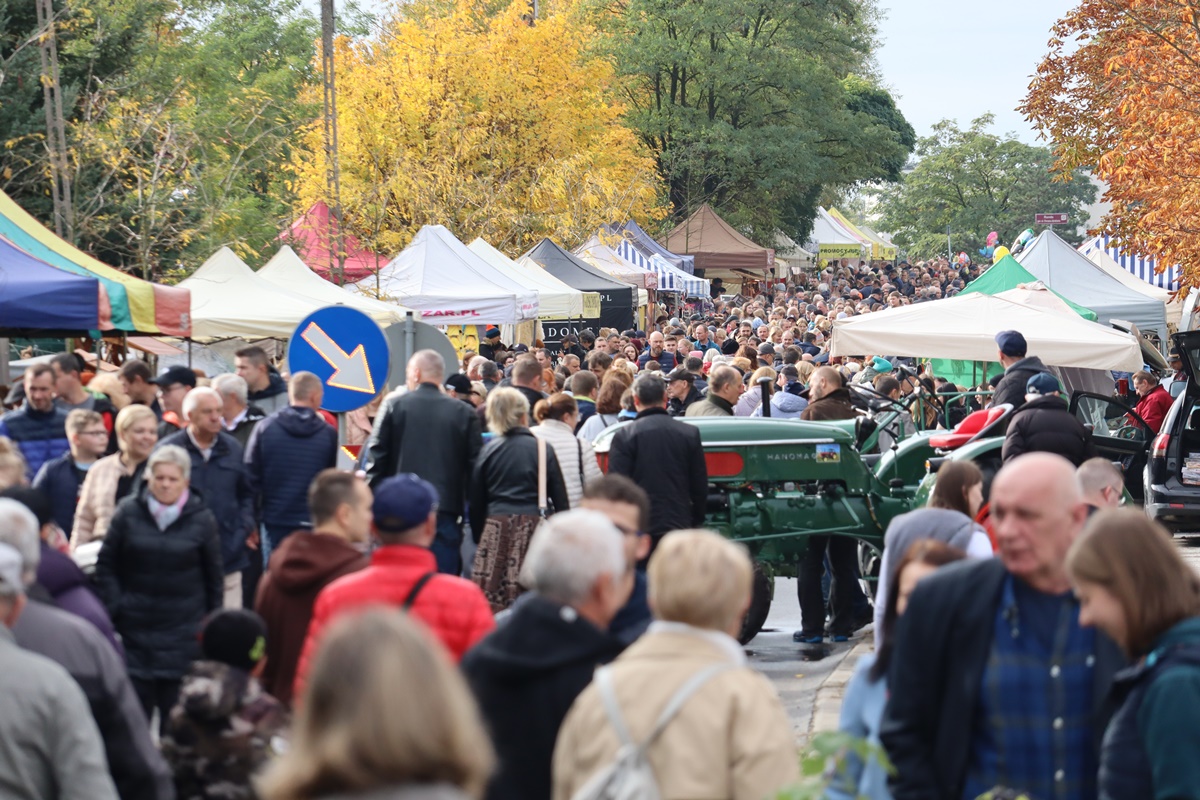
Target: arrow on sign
349,371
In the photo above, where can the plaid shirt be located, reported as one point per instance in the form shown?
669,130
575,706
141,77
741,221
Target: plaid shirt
1033,724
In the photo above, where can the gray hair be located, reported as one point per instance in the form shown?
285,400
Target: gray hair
171,454
571,551
230,385
195,396
19,530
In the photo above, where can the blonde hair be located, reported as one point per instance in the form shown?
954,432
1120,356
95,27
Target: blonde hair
700,578
12,464
505,409
129,416
80,418
405,718
805,370
108,384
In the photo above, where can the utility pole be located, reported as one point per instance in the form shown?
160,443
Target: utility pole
56,135
333,179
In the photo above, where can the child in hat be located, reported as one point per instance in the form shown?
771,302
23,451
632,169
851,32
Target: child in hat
225,728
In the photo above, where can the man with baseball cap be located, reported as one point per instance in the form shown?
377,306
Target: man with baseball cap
1045,423
1018,368
173,385
403,574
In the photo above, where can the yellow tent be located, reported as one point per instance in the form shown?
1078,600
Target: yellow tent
880,247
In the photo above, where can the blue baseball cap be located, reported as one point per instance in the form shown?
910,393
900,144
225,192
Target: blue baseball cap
1043,383
1012,344
403,502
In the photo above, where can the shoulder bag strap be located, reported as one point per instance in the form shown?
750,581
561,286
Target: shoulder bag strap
608,696
543,506
681,696
416,590
582,480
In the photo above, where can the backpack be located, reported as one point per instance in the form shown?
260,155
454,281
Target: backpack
630,776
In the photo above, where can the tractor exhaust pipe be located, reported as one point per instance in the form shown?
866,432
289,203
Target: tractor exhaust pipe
764,384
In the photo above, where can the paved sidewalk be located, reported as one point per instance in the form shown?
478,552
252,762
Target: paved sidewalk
828,704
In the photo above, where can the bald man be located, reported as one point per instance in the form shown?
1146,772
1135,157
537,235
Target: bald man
434,436
828,398
993,682
1102,484
285,452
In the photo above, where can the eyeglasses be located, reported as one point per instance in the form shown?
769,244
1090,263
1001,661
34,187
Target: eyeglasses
93,433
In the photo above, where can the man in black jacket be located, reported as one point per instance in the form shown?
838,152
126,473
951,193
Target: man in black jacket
1018,369
434,436
990,665
528,672
285,453
1045,423
665,457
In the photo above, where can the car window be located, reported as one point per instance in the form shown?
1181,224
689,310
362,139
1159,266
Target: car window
1110,419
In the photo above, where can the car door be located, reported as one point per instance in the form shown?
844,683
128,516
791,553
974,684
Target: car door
1120,435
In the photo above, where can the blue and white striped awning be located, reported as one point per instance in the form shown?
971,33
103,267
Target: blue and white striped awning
1139,267
670,277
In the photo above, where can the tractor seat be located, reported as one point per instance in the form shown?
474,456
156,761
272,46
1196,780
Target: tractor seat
969,428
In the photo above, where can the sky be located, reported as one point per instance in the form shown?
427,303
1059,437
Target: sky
950,59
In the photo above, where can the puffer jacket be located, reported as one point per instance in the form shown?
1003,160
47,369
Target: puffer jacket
159,585
39,435
576,457
285,453
223,731
505,480
59,480
222,482
98,499
1011,388
73,592
453,608
1045,424
784,405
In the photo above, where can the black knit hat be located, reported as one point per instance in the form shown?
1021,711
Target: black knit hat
236,637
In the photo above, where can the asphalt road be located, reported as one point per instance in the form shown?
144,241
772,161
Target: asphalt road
797,670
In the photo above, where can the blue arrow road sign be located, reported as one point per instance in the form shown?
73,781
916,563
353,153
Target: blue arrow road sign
345,349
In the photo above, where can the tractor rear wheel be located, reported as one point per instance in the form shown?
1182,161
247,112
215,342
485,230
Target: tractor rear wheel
870,563
760,602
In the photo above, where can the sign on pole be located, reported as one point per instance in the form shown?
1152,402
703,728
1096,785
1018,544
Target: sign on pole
345,349
1050,219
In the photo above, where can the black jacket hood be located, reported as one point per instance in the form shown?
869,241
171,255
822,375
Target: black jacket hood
301,422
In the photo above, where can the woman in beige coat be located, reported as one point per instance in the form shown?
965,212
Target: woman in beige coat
731,740
113,477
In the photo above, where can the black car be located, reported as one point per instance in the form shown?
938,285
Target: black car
1172,474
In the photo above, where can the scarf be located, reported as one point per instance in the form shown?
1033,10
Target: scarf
165,515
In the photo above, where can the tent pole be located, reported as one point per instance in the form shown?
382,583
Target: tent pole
189,341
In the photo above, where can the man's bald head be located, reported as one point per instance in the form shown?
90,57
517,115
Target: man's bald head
1101,482
824,380
426,366
1037,510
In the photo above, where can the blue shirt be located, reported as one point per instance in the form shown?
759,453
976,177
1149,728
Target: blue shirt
1033,725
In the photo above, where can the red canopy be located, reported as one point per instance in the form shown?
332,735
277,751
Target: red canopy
311,237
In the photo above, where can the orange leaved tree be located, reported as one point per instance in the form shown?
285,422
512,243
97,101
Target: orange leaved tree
1119,94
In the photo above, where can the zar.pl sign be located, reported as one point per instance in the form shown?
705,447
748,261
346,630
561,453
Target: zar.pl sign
1050,219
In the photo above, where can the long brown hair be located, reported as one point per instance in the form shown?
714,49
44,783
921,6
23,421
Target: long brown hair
608,400
922,551
1133,558
954,480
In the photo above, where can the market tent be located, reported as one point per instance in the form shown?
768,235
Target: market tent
617,299
556,300
229,300
716,245
1008,274
831,241
1055,263
879,247
36,296
883,240
672,279
637,239
313,236
1130,270
450,285
288,272
789,254
136,305
964,327
607,260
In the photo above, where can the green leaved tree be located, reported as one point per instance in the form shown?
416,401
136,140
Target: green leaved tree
972,182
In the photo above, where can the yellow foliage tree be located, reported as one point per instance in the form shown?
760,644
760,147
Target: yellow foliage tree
484,124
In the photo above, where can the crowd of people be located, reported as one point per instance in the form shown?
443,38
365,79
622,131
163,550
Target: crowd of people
195,601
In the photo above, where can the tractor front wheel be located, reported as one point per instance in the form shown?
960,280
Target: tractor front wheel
760,602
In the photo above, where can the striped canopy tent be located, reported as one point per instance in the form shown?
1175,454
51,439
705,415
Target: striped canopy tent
647,246
602,257
135,304
670,277
1144,269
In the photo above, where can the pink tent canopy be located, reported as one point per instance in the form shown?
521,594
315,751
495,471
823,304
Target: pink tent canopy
311,237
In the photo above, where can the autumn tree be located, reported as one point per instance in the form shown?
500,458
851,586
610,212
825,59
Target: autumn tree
481,122
1119,94
970,182
755,108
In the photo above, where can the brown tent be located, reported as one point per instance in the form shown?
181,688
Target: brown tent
716,245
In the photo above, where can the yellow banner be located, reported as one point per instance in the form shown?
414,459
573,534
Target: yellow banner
463,337
827,251
591,305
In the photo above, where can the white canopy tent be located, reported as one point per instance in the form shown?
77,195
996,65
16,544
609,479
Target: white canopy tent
1056,263
605,259
965,327
451,285
229,300
556,300
287,271
1095,251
